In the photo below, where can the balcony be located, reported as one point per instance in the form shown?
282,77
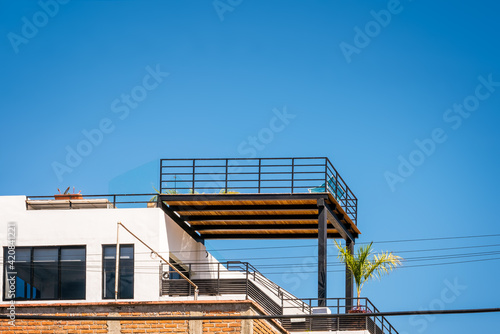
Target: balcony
241,278
257,176
257,198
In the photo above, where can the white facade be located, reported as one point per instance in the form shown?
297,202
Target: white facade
94,228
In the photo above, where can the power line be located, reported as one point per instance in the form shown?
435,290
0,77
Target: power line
245,317
360,243
402,267
154,263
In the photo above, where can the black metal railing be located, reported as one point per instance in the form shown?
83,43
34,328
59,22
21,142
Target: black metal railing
373,324
83,201
274,299
248,283
257,175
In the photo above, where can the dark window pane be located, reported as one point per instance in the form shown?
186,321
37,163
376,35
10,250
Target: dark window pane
73,273
109,252
20,259
126,277
45,273
109,278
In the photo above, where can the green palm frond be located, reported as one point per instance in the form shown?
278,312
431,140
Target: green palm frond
365,265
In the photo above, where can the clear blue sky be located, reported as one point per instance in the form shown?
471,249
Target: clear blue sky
364,80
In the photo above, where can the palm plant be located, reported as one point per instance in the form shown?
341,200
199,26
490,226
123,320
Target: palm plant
166,192
364,265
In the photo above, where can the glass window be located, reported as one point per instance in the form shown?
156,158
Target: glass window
45,273
73,273
126,270
22,269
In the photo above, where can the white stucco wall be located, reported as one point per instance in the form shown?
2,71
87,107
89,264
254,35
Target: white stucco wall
97,227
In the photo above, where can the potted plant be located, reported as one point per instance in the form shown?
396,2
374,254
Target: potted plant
68,195
152,203
224,191
364,266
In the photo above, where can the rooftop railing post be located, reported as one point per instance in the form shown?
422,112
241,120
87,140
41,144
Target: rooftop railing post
260,167
161,175
326,174
114,201
293,172
310,312
246,281
194,171
218,279
280,295
227,167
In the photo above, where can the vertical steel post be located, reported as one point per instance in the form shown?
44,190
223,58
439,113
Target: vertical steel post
218,279
161,175
293,167
194,167
349,286
227,162
326,174
260,167
117,260
310,312
322,253
246,287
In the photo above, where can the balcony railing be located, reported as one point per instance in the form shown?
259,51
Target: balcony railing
216,279
231,277
258,175
84,201
373,324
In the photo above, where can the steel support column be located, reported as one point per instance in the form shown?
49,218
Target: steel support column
322,252
349,284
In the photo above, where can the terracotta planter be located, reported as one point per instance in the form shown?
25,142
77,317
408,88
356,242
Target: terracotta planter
68,196
356,310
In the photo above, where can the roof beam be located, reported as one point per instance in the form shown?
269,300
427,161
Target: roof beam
344,232
249,207
270,236
241,197
247,217
256,227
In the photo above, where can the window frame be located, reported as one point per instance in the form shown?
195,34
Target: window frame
32,273
103,281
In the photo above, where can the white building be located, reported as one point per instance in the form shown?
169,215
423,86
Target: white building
63,249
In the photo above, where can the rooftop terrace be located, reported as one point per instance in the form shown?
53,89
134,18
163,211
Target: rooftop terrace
262,198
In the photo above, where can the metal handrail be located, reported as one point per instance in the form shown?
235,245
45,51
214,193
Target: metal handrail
286,299
257,175
251,273
340,304
117,200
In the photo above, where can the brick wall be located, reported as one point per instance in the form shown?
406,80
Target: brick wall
185,308
262,327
